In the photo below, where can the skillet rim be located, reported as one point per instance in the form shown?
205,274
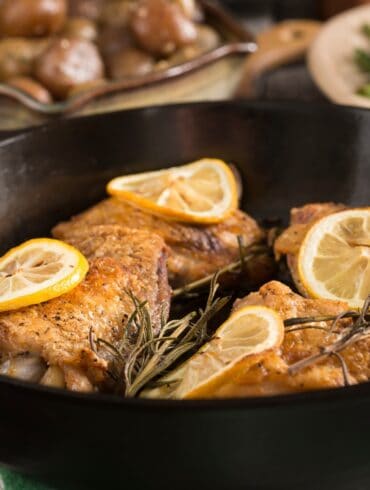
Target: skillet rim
8,137
318,397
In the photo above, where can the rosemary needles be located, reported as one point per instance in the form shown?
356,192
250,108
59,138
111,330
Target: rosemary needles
141,356
246,254
358,329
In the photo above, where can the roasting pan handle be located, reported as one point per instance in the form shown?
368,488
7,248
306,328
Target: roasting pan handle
284,43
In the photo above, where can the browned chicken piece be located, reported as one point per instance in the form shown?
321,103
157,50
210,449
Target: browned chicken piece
57,331
195,251
301,220
267,373
141,254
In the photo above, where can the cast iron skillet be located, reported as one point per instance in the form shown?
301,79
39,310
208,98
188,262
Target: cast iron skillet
288,154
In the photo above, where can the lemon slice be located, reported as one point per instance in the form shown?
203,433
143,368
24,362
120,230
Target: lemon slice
205,191
250,330
39,270
334,258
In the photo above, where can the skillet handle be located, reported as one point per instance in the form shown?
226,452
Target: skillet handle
284,43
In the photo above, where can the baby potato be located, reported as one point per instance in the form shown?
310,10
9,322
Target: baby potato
118,12
81,27
17,56
183,55
113,40
32,88
67,63
32,17
90,9
130,63
191,9
160,27
207,38
86,87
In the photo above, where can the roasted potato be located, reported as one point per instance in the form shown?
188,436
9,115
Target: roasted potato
24,18
81,27
68,62
85,87
32,88
91,9
191,9
17,56
207,39
160,27
113,40
130,63
117,12
54,49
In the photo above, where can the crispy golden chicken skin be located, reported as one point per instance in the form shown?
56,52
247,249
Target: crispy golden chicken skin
301,220
194,251
267,373
58,330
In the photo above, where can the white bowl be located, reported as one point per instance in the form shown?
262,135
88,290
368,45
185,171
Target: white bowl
331,57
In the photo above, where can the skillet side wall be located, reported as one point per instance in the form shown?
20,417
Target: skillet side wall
288,155
80,444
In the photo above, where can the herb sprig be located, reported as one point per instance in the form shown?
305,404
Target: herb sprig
358,329
247,254
141,356
239,268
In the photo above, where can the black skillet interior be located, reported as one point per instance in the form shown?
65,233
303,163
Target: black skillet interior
288,154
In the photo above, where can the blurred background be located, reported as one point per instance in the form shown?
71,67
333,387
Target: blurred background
275,9
123,62
283,9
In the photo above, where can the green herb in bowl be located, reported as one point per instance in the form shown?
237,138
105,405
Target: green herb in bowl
362,60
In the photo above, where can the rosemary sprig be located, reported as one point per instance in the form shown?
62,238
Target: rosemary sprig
358,329
246,255
318,319
141,356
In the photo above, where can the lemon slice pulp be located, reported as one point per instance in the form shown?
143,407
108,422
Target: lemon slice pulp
39,270
250,330
334,258
205,191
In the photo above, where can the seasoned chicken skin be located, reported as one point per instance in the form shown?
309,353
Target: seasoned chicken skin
267,373
144,255
301,220
58,330
194,251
